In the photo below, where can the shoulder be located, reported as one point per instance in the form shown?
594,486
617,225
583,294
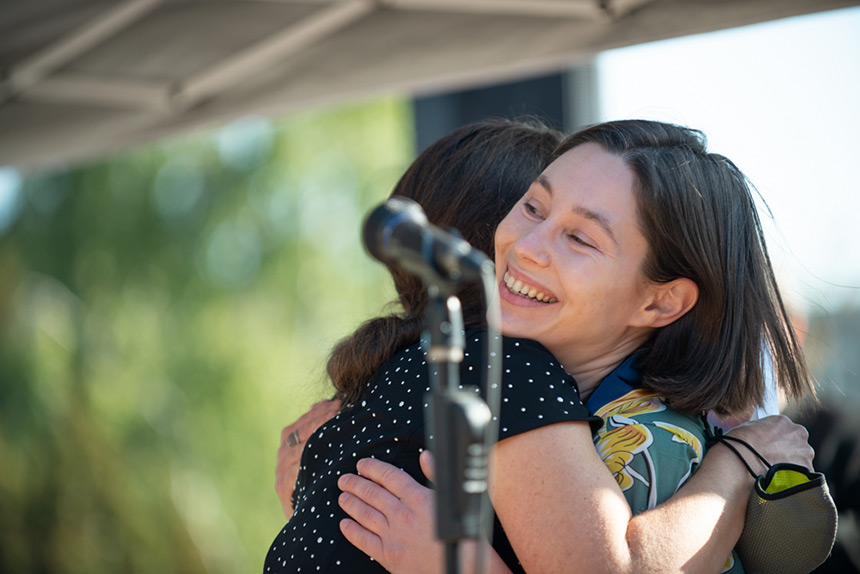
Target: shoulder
403,379
524,363
535,389
519,356
406,363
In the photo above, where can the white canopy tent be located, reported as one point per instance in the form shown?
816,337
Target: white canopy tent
81,77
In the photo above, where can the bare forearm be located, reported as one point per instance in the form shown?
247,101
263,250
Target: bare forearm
696,529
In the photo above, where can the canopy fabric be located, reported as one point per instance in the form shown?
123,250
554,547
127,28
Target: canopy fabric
84,77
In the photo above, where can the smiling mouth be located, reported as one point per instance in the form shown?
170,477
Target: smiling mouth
517,287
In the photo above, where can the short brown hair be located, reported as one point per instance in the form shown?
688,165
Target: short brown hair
467,180
697,212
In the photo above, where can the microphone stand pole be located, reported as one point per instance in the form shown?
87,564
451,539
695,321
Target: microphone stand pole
458,420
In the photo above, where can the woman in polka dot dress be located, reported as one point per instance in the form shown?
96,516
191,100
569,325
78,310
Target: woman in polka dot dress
467,180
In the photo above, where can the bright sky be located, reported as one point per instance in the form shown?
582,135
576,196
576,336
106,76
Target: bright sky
782,100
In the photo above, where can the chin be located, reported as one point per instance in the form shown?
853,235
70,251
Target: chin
512,329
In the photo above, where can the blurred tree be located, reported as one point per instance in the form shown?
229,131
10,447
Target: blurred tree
163,313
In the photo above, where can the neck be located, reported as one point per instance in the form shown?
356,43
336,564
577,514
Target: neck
589,377
590,369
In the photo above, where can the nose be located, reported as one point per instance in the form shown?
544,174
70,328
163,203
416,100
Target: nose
533,245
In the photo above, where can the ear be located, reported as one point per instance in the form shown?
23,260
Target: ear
667,302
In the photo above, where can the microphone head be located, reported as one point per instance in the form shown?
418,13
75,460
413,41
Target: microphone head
381,222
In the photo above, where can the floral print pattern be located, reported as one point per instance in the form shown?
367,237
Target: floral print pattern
651,450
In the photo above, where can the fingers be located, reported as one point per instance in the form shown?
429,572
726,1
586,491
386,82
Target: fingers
286,431
310,421
290,451
326,408
398,533
370,494
288,455
364,514
395,481
320,412
285,479
428,465
286,473
360,537
804,433
287,468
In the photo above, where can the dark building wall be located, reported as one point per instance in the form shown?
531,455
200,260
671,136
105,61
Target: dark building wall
563,100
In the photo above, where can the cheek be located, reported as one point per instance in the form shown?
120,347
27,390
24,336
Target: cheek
504,232
625,296
596,290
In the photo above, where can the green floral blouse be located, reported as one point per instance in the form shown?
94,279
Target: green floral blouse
651,450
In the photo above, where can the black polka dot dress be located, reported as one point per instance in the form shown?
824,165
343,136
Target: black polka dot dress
387,423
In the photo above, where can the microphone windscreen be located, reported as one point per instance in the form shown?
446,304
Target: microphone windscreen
382,221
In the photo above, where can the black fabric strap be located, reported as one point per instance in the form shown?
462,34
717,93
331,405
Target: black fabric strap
725,439
715,435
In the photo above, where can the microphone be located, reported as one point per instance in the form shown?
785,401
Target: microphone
397,233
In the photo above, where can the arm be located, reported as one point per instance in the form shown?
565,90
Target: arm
396,527
708,510
290,455
561,509
692,532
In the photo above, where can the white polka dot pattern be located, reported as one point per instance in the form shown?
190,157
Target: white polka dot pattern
388,423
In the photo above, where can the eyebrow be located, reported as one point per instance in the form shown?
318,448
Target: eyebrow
588,214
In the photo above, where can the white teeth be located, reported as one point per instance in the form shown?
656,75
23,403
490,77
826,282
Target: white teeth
520,288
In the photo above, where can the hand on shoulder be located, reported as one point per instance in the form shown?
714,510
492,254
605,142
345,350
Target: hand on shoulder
293,438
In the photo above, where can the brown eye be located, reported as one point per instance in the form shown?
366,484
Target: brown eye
581,241
531,209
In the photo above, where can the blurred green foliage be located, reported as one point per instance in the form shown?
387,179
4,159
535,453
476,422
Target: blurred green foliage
163,314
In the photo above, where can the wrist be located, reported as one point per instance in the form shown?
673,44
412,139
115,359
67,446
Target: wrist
728,475
744,449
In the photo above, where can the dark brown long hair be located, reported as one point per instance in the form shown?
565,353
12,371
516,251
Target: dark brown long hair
698,214
467,180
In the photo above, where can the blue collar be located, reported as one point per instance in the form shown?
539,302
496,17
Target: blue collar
625,378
